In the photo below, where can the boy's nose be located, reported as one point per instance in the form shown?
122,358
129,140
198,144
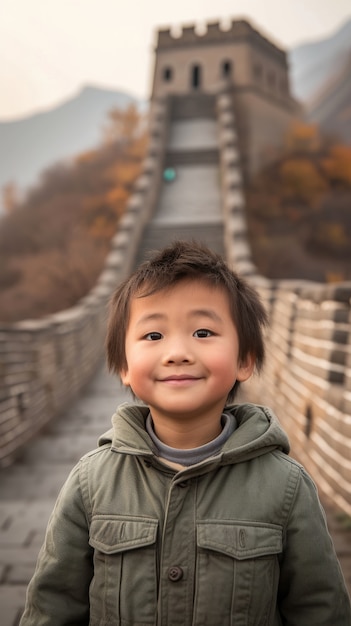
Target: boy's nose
177,353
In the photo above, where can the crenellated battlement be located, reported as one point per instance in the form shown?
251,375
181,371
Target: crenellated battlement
214,33
207,57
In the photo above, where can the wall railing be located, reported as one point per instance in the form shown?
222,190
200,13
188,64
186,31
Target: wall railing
307,378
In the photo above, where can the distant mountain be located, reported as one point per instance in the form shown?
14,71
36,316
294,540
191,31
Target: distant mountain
313,64
331,107
31,144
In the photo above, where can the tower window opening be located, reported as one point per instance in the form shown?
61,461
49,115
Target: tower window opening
226,69
196,76
167,74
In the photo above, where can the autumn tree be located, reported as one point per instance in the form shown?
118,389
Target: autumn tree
10,196
53,245
123,125
298,208
336,166
302,138
301,181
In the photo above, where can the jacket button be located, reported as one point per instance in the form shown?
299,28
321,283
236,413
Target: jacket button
183,484
175,573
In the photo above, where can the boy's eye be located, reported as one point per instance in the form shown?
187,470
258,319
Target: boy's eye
203,332
154,336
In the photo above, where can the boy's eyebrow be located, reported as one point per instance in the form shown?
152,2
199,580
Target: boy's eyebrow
210,313
156,317
151,317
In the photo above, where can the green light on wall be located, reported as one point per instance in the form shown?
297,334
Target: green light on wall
169,174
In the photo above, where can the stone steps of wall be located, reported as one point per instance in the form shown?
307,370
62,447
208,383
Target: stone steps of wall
190,206
156,237
198,134
186,157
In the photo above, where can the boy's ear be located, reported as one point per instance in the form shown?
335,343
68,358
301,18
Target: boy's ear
124,376
246,368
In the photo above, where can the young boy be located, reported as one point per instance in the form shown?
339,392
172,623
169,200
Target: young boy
190,512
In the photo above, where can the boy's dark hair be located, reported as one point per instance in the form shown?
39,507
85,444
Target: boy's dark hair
180,261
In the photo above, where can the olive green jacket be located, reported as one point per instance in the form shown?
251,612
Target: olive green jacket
239,539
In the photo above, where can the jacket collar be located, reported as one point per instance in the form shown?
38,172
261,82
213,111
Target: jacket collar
258,433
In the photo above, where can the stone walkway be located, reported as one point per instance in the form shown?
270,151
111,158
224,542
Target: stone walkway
193,134
193,198
189,207
29,488
195,195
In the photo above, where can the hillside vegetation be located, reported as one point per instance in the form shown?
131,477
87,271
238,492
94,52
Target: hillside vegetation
53,245
29,144
299,209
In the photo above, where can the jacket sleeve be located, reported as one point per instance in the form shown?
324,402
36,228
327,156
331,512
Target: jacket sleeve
58,593
312,591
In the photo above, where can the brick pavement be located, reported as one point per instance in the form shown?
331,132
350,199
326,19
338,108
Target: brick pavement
29,488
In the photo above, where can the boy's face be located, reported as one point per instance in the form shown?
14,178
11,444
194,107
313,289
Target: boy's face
182,351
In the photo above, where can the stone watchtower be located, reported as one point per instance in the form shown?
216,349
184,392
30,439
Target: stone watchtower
239,60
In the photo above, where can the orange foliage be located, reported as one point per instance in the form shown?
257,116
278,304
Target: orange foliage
53,245
336,234
117,197
300,179
85,157
298,209
101,227
123,125
123,173
10,197
303,137
337,165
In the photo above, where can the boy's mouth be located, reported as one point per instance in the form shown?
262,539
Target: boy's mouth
179,378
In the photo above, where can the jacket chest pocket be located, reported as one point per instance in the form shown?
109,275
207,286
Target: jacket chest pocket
237,573
124,587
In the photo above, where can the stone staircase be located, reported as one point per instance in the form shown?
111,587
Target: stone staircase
160,236
189,207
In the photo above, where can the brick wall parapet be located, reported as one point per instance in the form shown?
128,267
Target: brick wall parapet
307,376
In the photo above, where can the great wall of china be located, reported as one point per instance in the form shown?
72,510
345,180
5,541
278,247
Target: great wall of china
307,380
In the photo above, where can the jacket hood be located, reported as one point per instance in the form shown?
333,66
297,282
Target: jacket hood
258,432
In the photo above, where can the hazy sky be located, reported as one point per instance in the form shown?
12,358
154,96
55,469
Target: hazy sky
49,49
